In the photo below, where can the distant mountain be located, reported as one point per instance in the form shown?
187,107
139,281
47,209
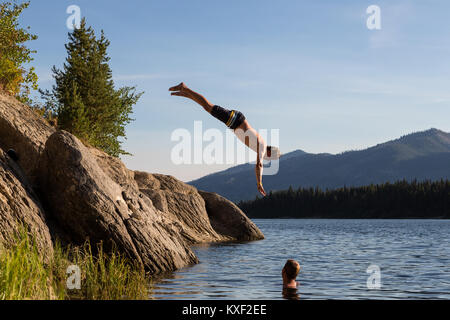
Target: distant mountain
421,155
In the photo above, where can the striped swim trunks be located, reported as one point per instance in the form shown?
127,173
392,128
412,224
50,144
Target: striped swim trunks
231,118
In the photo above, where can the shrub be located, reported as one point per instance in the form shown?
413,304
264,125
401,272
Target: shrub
15,78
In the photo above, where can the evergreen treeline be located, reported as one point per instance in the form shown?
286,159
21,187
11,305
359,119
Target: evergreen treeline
398,200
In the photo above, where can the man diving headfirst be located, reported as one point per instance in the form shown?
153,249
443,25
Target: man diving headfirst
236,121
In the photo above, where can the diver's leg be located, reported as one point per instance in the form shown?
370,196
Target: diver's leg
231,118
183,91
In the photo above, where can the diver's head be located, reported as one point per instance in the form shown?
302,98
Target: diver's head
272,153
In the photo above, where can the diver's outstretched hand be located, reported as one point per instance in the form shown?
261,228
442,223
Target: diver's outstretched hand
261,190
180,90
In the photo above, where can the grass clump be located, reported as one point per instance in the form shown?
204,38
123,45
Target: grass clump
25,273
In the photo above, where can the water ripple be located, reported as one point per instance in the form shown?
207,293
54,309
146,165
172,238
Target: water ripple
413,255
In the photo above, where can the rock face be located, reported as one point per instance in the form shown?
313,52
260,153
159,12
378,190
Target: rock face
88,195
228,220
25,132
180,202
88,204
20,206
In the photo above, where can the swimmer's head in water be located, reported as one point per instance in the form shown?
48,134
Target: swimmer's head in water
272,153
291,269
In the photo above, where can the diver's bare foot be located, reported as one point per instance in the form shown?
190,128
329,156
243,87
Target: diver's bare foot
180,90
178,87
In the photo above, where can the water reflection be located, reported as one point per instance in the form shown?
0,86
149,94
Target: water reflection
290,294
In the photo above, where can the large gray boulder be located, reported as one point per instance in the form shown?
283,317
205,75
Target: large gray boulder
24,131
228,220
89,205
19,206
181,202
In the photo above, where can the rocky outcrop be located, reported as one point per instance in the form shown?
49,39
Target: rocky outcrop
24,131
19,206
88,195
228,220
180,202
88,204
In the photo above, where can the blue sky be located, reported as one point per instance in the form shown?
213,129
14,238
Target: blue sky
309,68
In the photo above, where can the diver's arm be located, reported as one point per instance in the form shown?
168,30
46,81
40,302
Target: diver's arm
259,172
259,166
247,135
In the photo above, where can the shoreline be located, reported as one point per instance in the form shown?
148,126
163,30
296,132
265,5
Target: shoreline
325,218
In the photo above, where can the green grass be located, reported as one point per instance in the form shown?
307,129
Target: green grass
25,273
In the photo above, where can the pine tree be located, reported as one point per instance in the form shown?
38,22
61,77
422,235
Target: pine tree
84,97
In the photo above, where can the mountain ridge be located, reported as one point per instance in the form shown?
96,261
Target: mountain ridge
422,155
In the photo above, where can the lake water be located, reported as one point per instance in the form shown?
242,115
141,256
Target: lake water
413,257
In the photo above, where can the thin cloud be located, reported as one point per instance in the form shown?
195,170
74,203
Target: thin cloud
154,76
394,18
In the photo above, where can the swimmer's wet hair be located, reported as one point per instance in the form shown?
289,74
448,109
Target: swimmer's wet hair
292,268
